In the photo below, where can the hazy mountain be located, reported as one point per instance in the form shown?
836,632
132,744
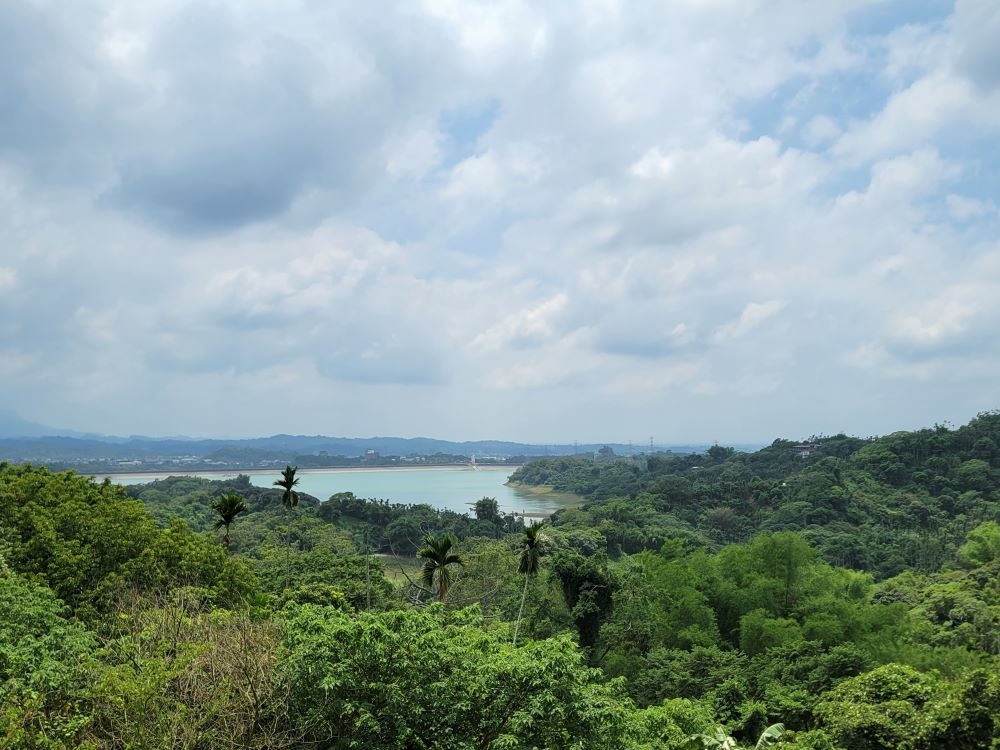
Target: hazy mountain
21,439
13,426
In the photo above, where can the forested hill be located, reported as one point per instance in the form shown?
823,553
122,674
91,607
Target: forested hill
213,615
902,501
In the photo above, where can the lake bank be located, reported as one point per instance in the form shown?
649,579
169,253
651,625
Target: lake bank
454,488
229,473
544,490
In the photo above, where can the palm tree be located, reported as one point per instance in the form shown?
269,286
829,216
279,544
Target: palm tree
288,480
721,740
290,499
437,556
528,564
228,506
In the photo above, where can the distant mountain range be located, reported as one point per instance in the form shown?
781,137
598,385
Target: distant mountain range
12,426
59,448
21,440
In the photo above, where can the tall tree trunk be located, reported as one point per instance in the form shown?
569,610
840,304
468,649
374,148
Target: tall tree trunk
288,544
520,610
368,577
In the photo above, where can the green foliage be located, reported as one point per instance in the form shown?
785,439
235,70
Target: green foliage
531,551
176,673
398,528
288,481
720,740
436,572
426,678
179,557
487,509
670,725
528,563
904,501
71,532
982,545
321,563
228,506
588,588
895,706
44,661
720,593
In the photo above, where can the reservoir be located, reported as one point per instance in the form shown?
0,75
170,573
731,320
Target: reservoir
449,488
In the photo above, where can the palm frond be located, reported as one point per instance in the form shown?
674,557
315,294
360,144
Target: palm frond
427,573
770,735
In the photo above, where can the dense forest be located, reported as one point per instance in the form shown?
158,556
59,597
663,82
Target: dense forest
842,593
901,502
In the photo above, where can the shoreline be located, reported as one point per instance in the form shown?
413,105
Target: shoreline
312,470
543,491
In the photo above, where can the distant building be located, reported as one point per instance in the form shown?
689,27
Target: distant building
804,450
370,455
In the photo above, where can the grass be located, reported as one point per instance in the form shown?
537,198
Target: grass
395,567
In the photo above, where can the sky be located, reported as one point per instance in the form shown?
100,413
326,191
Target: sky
695,220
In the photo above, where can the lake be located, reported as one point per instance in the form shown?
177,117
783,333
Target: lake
448,488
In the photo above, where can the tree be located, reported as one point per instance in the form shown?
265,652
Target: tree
720,740
45,662
438,557
487,509
588,588
882,708
67,532
982,545
720,453
405,679
228,506
290,499
530,561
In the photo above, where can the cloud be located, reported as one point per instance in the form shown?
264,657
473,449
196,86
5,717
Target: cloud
752,316
902,179
820,129
909,118
501,219
528,328
962,208
977,27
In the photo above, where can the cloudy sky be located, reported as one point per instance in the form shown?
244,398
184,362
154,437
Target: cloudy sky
603,220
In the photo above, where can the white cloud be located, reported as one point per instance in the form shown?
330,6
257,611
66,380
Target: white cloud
678,218
752,316
963,209
412,154
534,326
820,130
976,29
936,326
910,118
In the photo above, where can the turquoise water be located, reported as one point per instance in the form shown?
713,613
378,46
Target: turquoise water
453,489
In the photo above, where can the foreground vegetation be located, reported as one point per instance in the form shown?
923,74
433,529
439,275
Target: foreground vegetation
852,596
